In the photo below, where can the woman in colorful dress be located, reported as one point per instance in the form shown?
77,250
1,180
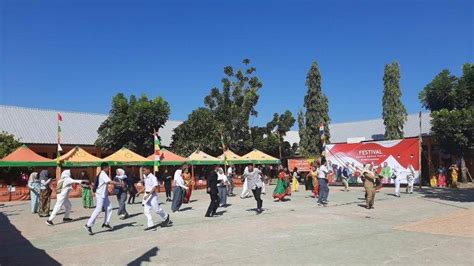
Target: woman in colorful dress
434,181
454,175
87,199
189,182
441,177
282,188
34,185
294,182
314,177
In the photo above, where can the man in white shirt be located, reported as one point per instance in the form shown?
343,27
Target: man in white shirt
323,172
245,187
102,199
254,183
63,188
179,188
151,201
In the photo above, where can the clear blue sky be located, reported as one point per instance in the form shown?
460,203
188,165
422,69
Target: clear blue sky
75,55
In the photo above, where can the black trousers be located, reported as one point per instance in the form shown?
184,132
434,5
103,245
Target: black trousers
213,205
256,194
168,188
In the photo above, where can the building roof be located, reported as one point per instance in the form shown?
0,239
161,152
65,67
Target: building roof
39,126
370,129
23,156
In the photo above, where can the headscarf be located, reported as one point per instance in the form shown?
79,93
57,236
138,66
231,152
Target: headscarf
121,174
34,176
65,174
44,175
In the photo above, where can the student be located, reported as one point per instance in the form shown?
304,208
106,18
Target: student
255,184
45,194
245,187
151,201
396,180
282,189
223,182
212,190
323,172
121,192
294,182
62,191
410,179
102,199
34,185
179,189
86,191
166,177
345,176
230,178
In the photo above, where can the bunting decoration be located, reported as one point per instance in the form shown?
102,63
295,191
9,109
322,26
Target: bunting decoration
156,163
59,149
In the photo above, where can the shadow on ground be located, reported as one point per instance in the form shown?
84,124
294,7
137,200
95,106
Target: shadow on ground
449,194
17,250
145,257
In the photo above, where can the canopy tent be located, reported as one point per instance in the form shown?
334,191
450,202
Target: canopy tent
168,158
125,156
202,158
78,157
232,158
259,157
25,157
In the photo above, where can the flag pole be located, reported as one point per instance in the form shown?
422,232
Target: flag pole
420,150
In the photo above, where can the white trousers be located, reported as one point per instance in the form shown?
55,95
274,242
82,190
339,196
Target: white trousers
397,187
153,204
263,187
101,203
410,186
245,190
61,200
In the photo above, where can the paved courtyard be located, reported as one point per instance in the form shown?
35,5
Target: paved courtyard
430,226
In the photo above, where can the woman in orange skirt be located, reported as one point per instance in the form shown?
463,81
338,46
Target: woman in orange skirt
189,182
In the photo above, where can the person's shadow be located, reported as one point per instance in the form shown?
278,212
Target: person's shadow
145,257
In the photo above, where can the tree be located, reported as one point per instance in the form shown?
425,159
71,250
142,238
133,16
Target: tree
8,143
199,132
233,106
302,133
131,123
317,111
394,113
280,125
269,143
451,102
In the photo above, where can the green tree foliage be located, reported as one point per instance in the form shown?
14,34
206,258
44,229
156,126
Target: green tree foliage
302,133
279,126
8,143
394,113
131,123
269,143
317,110
451,102
234,104
198,132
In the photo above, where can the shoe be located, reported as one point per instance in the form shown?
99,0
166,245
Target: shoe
372,207
89,229
152,228
48,222
67,220
168,221
259,211
209,216
107,226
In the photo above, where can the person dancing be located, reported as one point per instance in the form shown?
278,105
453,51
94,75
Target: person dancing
179,189
253,177
282,189
212,181
151,200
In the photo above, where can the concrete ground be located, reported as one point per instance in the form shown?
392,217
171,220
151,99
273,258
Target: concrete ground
431,226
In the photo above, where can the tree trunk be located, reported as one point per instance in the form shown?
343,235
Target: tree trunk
463,170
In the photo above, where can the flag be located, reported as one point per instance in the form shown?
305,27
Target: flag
156,163
59,149
322,136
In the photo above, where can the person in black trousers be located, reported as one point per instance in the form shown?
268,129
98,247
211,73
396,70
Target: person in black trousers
213,192
166,178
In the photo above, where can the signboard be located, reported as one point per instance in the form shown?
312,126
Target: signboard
396,154
303,164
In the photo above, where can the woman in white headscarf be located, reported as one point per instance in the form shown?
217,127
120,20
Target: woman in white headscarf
62,196
121,193
34,185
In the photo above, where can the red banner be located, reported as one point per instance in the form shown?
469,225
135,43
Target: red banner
396,154
303,164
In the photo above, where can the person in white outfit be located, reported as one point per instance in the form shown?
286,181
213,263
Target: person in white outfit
396,179
102,199
410,179
245,187
62,199
151,201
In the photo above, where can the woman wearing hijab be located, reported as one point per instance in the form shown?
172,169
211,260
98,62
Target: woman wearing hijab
45,194
34,185
62,191
222,183
294,182
179,188
87,200
121,192
189,182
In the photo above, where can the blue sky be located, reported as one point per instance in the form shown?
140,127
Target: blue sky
75,55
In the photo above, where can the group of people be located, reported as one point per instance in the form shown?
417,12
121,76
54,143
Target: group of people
445,177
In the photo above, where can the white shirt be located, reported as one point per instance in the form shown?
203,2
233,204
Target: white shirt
67,185
102,191
150,182
323,170
229,171
178,179
253,179
223,178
